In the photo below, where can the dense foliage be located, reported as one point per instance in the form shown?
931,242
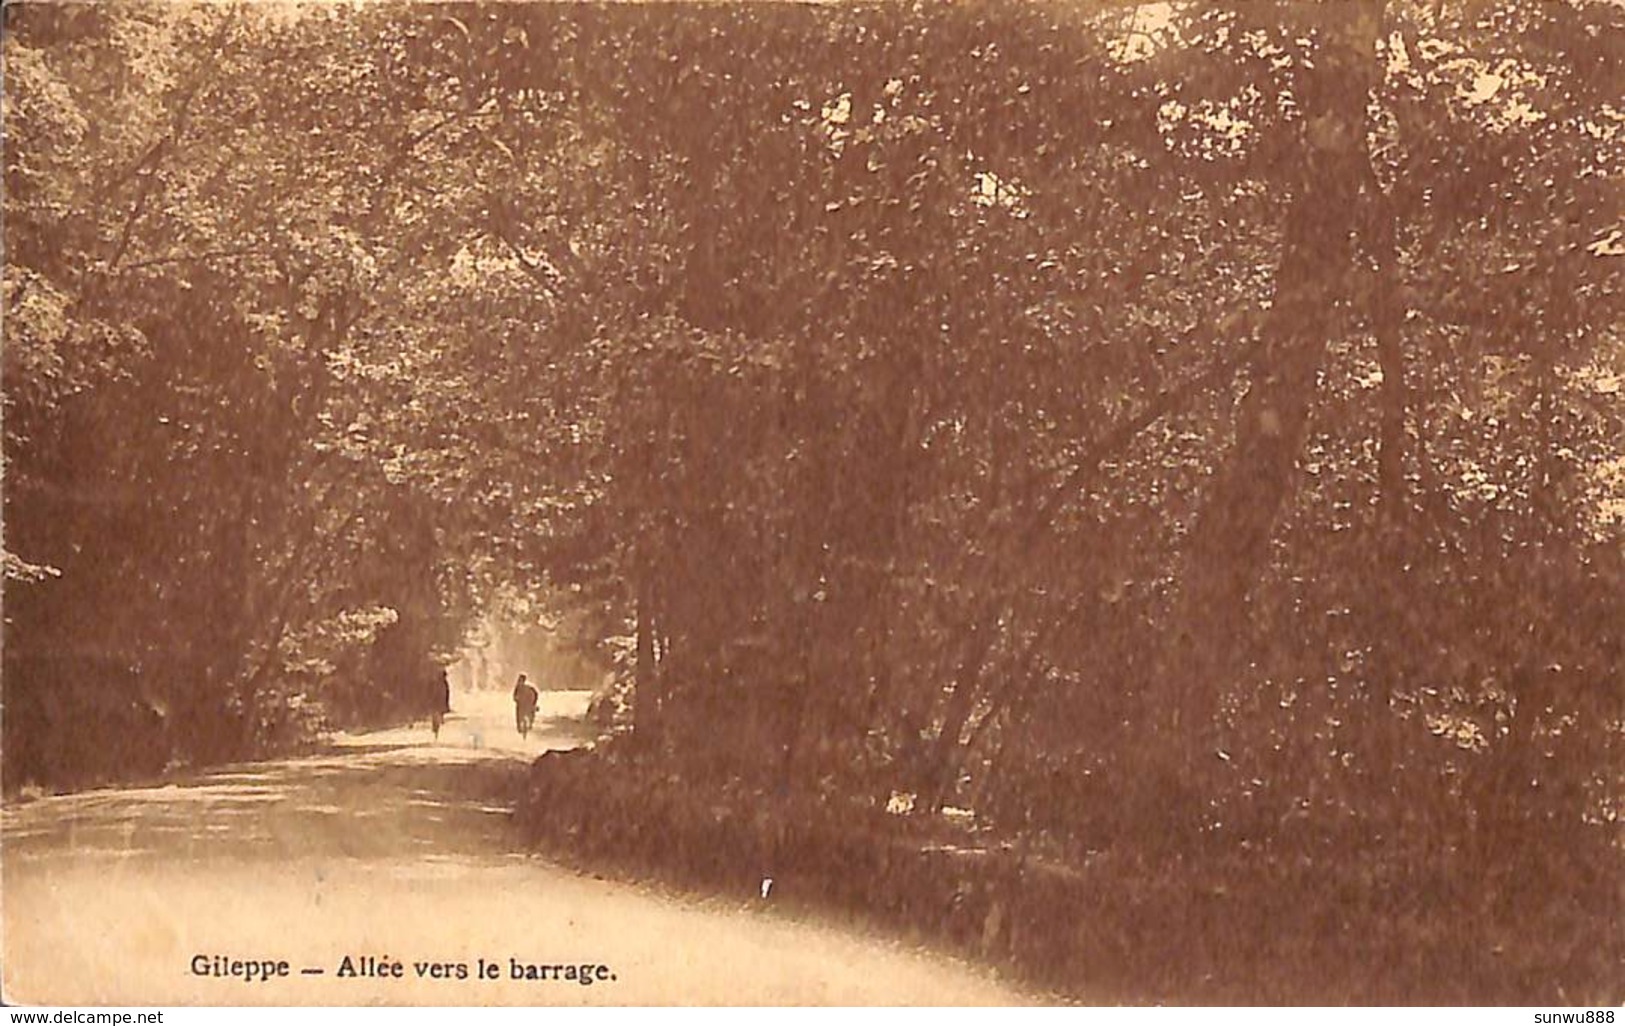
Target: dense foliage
1181,425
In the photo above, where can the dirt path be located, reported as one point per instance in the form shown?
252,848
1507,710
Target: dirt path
397,849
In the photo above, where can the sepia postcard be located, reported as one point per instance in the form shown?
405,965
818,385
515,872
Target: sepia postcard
915,503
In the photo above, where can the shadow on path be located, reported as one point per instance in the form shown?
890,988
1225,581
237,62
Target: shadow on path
387,793
355,801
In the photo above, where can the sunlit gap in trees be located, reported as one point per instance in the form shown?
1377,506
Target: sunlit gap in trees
524,639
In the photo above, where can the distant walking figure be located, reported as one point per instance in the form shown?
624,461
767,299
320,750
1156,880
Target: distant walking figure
439,703
524,705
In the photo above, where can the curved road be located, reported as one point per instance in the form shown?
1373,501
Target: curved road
392,847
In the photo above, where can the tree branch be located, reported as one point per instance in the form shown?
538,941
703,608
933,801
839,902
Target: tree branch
1120,437
536,272
177,129
192,258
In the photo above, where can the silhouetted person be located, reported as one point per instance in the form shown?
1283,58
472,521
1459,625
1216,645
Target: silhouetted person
525,698
439,702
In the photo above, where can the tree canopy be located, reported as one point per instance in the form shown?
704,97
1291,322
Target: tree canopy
1180,420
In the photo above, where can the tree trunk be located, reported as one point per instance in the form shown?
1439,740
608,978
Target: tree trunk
1387,314
1229,546
943,764
647,711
